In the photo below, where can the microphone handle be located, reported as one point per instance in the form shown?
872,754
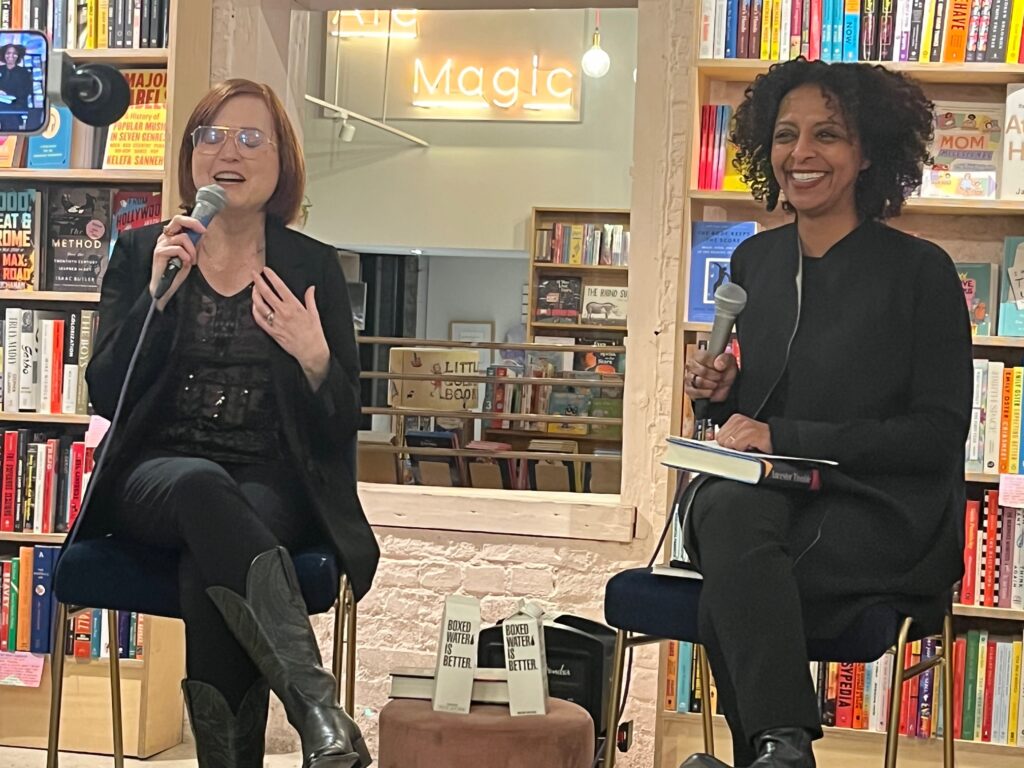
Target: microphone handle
174,264
721,330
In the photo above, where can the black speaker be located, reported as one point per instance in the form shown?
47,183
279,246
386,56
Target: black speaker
579,654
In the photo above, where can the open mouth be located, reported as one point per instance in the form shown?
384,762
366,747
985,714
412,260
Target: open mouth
806,177
228,178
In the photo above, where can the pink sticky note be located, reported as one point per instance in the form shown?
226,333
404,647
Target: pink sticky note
23,670
1011,491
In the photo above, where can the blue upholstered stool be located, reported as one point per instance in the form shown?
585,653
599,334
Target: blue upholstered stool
645,607
125,576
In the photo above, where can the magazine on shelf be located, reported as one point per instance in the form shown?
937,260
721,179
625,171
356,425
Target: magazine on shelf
708,457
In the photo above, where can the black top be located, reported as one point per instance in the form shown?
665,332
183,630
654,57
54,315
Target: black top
878,377
220,396
16,82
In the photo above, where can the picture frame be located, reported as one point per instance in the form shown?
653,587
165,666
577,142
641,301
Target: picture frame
474,330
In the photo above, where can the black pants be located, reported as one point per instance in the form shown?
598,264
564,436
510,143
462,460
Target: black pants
748,540
219,517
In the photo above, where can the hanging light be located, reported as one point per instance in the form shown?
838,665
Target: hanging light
596,61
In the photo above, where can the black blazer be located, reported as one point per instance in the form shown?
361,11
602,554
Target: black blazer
16,82
319,428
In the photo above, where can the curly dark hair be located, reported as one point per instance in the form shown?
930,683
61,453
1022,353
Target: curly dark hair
887,111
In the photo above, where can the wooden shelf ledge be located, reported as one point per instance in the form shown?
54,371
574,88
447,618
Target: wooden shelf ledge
587,516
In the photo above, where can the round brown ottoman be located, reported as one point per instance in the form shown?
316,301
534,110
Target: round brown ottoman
412,735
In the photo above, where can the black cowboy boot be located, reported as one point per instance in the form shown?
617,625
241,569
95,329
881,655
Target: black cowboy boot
776,748
226,739
271,623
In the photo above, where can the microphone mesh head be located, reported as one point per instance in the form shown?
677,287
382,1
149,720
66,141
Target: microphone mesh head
730,299
213,197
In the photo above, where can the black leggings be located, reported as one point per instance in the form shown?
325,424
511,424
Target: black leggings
219,517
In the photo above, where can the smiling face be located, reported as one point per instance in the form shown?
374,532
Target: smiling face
816,156
248,177
11,56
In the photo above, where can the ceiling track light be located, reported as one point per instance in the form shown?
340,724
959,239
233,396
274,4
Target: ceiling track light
596,61
347,131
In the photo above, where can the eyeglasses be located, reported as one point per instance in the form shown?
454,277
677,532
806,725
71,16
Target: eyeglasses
208,139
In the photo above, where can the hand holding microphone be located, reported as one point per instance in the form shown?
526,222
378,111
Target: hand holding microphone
710,373
175,251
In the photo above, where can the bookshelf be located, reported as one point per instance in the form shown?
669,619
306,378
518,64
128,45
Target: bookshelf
150,687
969,231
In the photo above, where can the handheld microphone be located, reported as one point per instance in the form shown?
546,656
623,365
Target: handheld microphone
730,299
210,200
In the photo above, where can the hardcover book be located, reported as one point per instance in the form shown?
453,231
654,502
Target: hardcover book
19,239
605,304
708,457
966,152
981,291
78,233
52,148
558,300
711,248
1012,186
1011,289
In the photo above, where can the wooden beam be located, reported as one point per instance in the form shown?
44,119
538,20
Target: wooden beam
549,514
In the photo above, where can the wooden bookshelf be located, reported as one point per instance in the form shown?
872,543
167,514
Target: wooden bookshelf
579,327
151,687
979,73
915,205
547,266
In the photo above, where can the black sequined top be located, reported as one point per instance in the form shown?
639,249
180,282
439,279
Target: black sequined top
222,404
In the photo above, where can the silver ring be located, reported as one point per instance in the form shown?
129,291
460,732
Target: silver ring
270,317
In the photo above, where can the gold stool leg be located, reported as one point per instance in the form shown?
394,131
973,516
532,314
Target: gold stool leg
706,714
60,636
892,733
947,692
611,725
350,653
115,689
339,638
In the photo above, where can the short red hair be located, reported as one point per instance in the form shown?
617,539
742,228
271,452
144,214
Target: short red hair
286,202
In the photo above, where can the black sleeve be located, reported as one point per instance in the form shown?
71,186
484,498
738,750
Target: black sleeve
336,404
931,431
124,302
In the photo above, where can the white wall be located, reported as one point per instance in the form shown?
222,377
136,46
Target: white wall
474,289
474,187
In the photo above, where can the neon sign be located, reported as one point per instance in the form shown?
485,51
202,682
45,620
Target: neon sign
472,87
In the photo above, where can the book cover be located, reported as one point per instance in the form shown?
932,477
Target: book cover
19,239
558,300
138,140
605,304
431,469
78,234
52,148
1012,182
568,404
441,394
134,208
1011,288
708,457
981,291
966,152
711,248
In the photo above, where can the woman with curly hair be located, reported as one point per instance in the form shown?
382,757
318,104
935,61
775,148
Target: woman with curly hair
857,348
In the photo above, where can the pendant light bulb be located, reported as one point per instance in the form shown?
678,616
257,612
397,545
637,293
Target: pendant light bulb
596,61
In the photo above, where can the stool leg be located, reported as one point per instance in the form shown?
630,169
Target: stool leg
60,636
706,714
892,733
339,638
947,692
350,653
611,725
115,689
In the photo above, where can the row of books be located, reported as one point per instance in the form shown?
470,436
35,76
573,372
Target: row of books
976,153
993,554
59,237
91,24
43,481
568,300
994,441
587,398
582,244
988,690
26,610
44,361
950,31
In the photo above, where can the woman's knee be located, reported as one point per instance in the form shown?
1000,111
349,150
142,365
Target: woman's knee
726,511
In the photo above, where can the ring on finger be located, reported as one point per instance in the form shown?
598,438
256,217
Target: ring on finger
693,381
270,317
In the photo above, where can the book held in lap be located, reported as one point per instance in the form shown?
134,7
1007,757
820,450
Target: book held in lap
708,457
